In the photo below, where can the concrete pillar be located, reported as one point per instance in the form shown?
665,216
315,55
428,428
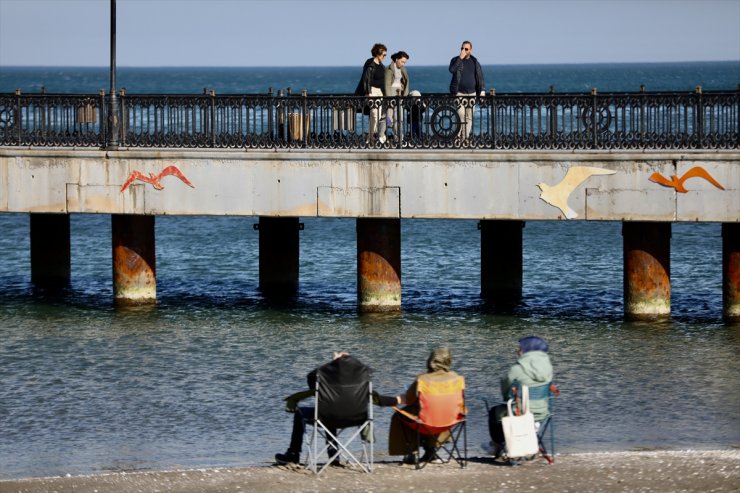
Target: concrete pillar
731,271
279,255
501,261
134,266
378,265
50,250
647,270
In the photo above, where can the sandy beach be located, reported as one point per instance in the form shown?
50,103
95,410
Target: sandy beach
649,471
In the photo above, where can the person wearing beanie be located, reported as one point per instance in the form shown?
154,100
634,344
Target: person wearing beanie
439,370
532,368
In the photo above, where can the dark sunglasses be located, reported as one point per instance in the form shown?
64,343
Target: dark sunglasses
465,49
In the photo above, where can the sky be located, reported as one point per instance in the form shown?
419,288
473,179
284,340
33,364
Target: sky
275,33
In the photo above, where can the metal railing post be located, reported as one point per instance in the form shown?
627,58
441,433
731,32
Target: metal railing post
699,121
213,117
492,117
398,137
595,142
643,117
305,122
553,120
17,118
122,109
270,112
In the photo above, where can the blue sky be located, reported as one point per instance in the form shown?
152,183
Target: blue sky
341,32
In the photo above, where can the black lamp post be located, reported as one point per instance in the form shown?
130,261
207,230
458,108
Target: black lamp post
113,101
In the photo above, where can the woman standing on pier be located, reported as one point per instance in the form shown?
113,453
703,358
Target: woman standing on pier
372,84
397,83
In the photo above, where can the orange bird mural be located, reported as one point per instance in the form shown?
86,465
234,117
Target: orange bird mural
677,183
155,180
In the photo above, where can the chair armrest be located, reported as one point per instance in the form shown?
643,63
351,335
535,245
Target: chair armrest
407,414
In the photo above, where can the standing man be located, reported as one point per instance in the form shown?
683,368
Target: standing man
467,82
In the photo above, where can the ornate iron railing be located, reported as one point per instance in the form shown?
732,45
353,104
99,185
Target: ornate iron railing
642,120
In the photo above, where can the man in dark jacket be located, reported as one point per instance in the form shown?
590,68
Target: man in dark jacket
343,411
467,82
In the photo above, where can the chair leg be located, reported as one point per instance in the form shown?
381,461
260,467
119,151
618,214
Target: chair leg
541,437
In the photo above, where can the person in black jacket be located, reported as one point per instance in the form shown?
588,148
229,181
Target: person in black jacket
372,84
467,82
342,370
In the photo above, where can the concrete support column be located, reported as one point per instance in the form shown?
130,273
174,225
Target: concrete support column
134,266
50,250
647,270
378,265
501,260
279,255
731,271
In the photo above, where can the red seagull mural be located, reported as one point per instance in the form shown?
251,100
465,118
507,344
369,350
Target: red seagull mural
155,179
677,183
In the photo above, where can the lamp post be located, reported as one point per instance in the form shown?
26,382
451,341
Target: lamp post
113,101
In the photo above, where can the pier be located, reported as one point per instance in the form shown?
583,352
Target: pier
644,159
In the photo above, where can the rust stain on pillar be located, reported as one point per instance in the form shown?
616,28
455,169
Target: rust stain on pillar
134,272
647,283
379,265
731,271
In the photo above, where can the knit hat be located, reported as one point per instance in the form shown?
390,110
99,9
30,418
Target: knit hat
532,343
440,359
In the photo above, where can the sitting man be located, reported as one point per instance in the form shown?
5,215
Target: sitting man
343,369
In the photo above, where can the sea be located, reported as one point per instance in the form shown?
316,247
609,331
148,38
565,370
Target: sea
199,379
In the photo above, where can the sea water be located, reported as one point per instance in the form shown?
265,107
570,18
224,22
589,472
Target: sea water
198,380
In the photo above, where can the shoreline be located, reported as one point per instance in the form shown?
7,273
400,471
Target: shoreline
654,471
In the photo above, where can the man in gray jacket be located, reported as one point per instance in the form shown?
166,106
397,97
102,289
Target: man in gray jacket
467,82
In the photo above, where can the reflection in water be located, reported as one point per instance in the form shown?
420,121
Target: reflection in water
198,379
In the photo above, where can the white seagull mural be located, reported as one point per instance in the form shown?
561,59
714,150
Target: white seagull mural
557,195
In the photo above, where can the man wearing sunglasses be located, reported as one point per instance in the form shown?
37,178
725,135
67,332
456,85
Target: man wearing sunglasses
467,82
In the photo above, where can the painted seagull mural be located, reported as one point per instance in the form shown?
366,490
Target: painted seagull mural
557,195
154,180
677,183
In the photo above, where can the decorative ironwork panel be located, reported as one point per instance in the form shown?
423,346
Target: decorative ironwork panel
433,121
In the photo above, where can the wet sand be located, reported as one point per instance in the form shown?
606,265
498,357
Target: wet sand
654,471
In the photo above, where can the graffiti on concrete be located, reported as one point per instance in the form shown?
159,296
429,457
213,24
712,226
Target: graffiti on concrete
677,183
155,180
557,195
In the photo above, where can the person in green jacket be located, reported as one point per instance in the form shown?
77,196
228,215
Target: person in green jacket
533,368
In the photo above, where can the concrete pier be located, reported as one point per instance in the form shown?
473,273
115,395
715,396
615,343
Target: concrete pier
378,265
647,270
279,254
134,271
501,261
731,271
50,250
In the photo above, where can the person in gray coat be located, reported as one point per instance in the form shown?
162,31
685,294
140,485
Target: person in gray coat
533,368
396,83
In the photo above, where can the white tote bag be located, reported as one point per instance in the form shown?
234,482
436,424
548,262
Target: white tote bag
519,431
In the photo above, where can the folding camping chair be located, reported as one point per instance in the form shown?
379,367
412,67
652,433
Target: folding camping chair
441,409
338,406
544,426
